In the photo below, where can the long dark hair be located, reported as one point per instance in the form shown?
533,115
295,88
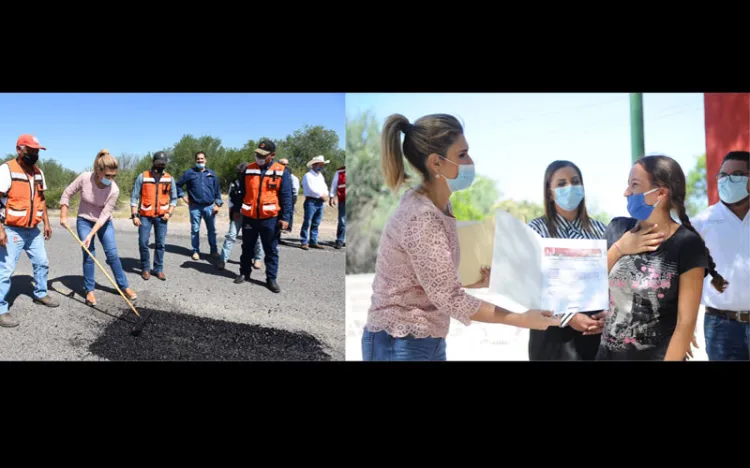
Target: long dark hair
665,172
550,213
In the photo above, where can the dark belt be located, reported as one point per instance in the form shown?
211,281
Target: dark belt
742,316
314,199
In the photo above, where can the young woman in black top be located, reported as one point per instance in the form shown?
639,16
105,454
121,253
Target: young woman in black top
657,263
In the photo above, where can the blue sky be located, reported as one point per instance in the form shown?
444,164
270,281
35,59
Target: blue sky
513,137
74,127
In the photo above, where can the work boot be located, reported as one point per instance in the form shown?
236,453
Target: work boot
8,321
47,301
338,245
316,246
220,265
241,278
305,247
161,276
196,256
145,275
273,285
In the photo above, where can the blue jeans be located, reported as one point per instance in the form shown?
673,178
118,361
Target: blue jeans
313,215
341,229
726,340
381,346
205,212
234,228
160,239
31,241
106,236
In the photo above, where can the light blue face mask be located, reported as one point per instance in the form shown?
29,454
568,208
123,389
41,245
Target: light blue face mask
732,192
569,197
200,165
463,180
106,181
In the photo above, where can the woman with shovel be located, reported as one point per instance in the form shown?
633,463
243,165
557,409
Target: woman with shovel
99,194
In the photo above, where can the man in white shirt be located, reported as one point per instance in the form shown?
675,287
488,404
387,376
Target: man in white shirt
295,191
725,227
316,194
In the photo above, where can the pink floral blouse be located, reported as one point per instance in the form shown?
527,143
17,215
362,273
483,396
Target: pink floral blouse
416,289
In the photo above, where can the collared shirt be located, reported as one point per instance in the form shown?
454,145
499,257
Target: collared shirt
202,186
135,195
728,240
314,185
295,184
569,230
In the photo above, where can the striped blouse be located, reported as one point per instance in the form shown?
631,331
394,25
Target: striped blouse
568,230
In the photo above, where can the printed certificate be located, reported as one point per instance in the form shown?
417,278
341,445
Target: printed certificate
550,274
574,275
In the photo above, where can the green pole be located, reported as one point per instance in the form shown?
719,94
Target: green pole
637,142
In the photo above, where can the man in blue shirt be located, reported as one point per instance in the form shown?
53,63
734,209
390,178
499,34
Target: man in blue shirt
204,202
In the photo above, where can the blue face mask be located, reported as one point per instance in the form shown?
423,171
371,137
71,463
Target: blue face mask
637,206
318,169
200,165
463,180
106,181
569,197
732,192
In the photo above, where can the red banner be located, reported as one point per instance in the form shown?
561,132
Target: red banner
727,120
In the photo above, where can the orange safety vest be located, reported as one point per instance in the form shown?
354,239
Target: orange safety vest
155,197
22,210
341,186
261,199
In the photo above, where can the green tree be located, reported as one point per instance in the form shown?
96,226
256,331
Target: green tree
477,202
305,144
523,210
57,178
369,201
696,197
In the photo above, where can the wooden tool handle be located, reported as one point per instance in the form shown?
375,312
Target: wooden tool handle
103,270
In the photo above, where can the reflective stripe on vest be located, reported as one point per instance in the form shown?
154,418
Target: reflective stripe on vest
155,197
23,209
262,191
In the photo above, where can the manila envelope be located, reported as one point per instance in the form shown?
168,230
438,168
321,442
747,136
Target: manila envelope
476,240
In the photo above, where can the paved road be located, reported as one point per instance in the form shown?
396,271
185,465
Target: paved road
477,342
199,313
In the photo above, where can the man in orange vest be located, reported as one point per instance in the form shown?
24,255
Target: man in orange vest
152,202
338,189
266,210
22,208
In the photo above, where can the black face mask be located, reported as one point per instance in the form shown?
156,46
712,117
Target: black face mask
157,170
30,159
